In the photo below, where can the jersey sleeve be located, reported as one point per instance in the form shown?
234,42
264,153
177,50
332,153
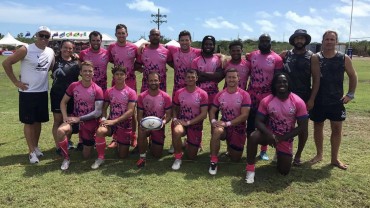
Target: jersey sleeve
71,87
99,93
82,55
132,96
109,49
176,100
262,107
246,99
140,105
301,108
203,98
194,64
216,102
167,101
106,95
279,65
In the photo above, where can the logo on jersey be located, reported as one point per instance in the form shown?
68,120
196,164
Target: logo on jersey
343,114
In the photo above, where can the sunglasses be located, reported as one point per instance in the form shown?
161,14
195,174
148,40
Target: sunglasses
44,36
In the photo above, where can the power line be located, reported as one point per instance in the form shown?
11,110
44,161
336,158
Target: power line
159,18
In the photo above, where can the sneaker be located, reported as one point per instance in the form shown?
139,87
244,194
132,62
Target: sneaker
79,147
97,163
33,158
59,151
70,145
213,168
141,162
113,144
133,139
65,164
177,164
264,156
249,178
38,152
171,150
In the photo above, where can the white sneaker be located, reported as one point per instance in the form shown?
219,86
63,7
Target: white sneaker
33,158
171,150
177,164
250,177
65,164
97,163
213,168
38,152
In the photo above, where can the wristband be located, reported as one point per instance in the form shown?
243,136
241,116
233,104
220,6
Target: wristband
188,123
351,95
228,123
213,120
103,119
174,119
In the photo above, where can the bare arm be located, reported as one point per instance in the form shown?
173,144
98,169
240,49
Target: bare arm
244,112
315,74
63,107
217,76
8,67
105,109
352,80
124,116
200,117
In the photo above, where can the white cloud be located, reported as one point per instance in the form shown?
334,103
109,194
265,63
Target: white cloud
170,28
263,15
277,14
266,26
304,20
312,10
219,23
246,27
360,8
81,7
145,5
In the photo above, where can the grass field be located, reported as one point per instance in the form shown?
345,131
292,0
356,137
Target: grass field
118,183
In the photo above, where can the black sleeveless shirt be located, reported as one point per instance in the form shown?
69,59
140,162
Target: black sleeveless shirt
64,73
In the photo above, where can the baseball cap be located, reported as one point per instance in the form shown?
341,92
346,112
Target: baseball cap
43,28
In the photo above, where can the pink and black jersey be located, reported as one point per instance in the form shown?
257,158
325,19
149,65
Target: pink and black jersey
182,62
190,103
84,97
100,60
230,104
124,56
244,68
282,114
154,105
118,101
154,60
207,65
263,67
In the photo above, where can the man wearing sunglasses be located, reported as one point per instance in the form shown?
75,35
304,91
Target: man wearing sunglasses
36,60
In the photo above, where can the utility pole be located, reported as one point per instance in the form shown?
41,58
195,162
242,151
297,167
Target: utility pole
159,18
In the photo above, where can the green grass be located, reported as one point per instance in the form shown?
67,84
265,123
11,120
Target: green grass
118,183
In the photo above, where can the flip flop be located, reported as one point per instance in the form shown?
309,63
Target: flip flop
341,166
297,162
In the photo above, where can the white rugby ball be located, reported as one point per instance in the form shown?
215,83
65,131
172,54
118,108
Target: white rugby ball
151,123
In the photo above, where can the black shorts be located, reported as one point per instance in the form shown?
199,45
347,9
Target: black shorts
33,107
320,113
56,98
251,124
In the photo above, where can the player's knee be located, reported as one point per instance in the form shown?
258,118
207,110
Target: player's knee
101,132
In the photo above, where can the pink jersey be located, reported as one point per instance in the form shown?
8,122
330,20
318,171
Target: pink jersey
154,60
154,105
182,62
190,103
208,65
118,101
282,115
244,68
124,56
230,104
84,98
263,67
100,60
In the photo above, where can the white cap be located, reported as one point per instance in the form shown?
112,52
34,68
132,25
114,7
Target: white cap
43,28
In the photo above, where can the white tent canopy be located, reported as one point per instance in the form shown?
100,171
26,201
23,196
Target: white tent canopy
173,43
8,39
140,42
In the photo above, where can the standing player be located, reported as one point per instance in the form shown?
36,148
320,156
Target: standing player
189,110
88,102
264,63
302,67
36,60
276,118
124,53
330,99
121,99
234,104
152,102
154,59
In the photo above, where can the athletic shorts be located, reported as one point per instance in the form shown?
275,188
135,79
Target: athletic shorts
56,98
331,112
236,136
33,107
251,124
285,147
157,136
87,131
193,133
121,135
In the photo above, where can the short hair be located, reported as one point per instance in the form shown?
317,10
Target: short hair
209,37
274,80
235,43
117,68
120,26
330,31
191,71
184,33
232,70
95,33
87,63
156,73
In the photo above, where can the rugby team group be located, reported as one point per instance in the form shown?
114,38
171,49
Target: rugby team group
266,100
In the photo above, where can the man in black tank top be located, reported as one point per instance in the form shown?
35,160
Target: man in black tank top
297,64
330,99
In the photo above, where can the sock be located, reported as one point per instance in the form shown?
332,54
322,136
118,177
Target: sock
214,158
264,148
100,145
178,156
64,147
143,155
250,167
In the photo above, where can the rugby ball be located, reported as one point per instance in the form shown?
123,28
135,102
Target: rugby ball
151,123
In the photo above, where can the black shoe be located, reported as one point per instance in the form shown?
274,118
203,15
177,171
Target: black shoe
59,151
70,145
79,147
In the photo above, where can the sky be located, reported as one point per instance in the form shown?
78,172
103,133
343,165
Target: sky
225,20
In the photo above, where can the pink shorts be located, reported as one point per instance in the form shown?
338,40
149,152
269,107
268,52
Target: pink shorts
285,147
236,136
121,135
87,129
194,134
